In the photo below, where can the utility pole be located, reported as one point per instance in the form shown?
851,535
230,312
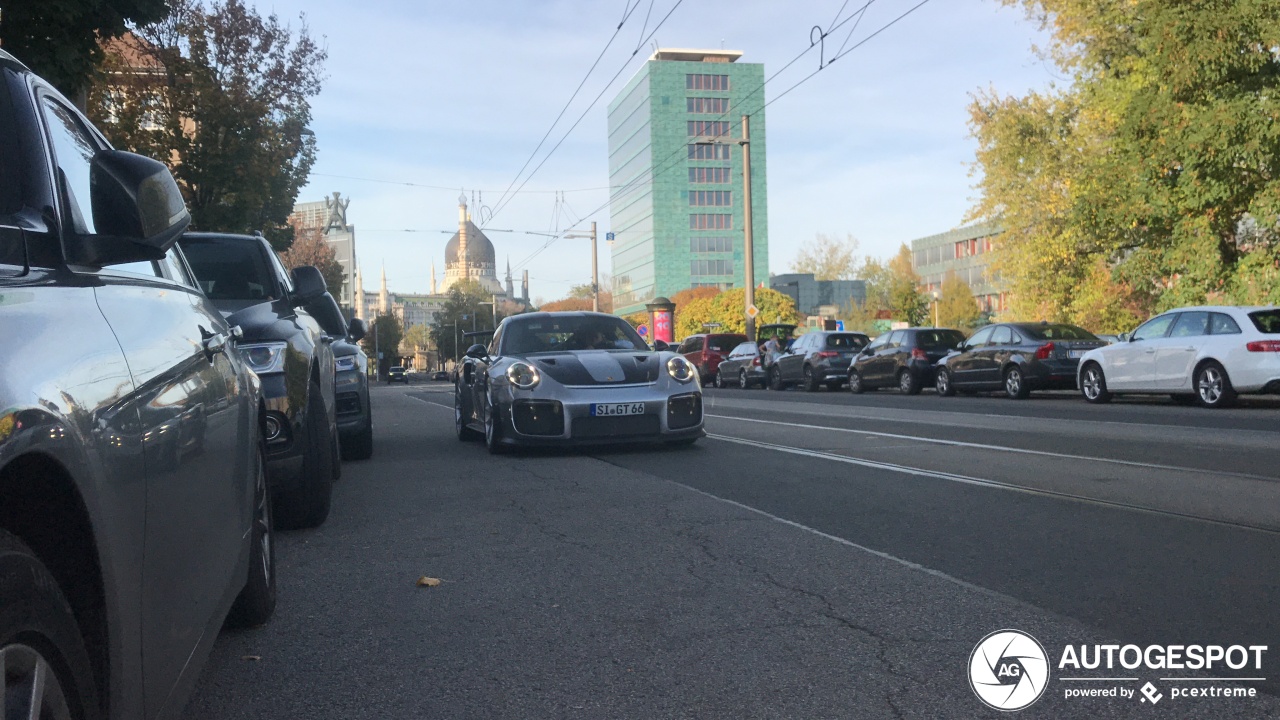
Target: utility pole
748,253
595,277
377,352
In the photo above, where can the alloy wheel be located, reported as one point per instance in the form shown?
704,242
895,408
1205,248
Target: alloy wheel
1210,386
742,380
905,382
31,687
1013,382
1091,383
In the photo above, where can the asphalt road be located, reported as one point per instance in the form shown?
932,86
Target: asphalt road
818,556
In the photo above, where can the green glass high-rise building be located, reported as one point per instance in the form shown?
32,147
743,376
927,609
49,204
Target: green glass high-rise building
675,176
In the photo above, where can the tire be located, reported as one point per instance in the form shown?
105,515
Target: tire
465,433
257,599
942,383
1093,384
907,383
1213,387
855,383
719,381
492,428
775,379
1015,383
307,506
811,383
39,637
743,381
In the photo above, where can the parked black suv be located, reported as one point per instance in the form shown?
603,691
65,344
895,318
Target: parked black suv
815,359
286,346
133,501
902,358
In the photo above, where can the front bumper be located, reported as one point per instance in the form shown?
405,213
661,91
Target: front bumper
566,419
284,453
351,395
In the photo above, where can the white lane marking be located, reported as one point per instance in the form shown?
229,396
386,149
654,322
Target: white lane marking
878,553
1000,448
431,402
982,482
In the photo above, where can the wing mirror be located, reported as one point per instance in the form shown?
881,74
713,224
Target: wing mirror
308,284
1126,337
659,345
356,330
477,352
138,211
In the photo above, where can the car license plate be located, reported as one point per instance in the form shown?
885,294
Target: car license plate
1075,354
611,409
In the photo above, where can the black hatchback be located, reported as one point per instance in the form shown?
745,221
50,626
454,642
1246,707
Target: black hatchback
902,358
1018,357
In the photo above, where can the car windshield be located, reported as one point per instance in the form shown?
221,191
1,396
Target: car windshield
846,341
939,339
229,268
1056,332
1267,321
560,333
724,343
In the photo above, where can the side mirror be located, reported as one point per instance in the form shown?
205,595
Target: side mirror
308,284
138,211
477,352
659,345
356,330
1125,337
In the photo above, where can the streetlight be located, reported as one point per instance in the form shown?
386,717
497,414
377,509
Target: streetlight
748,251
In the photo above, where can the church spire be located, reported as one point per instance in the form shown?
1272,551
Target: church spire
433,277
511,294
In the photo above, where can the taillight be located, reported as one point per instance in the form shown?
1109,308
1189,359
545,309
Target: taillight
918,354
756,361
1264,346
827,354
1044,351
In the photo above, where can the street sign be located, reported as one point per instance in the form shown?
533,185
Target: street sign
752,311
608,237
643,330
381,355
711,325
840,325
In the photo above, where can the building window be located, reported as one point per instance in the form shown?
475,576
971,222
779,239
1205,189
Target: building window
708,128
710,198
706,82
702,221
711,244
708,152
712,267
701,105
709,175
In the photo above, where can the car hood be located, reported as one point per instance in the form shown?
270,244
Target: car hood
264,320
599,367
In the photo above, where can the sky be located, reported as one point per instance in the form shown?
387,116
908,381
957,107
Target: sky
458,94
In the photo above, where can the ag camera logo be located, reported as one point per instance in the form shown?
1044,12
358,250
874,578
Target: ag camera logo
1008,670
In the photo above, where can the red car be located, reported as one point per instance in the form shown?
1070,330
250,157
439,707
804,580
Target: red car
706,351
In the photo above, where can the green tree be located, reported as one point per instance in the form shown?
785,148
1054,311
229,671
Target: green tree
466,308
60,39
226,99
385,334
957,307
729,309
416,336
902,289
692,315
829,258
1161,160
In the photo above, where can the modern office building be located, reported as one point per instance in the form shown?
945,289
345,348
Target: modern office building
675,176
329,217
819,297
966,251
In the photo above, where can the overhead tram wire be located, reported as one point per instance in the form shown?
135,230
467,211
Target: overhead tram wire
654,175
628,9
499,207
453,188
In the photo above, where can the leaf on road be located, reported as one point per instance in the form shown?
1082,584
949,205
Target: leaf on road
254,658
425,581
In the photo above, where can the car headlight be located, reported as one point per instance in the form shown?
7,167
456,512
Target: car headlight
681,369
523,375
344,363
264,357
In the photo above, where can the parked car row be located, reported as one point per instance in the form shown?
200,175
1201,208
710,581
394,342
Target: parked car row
166,397
1208,355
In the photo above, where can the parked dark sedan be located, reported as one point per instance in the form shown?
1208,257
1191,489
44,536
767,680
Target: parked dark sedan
1019,357
440,375
815,359
743,368
902,358
286,346
133,498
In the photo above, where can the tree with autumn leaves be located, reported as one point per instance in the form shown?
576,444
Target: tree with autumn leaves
1153,180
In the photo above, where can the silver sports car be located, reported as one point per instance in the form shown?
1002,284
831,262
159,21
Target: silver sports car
569,378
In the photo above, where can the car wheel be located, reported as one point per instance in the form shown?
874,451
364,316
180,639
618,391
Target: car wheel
743,382
1093,384
464,432
1015,385
1213,387
907,384
492,428
46,668
257,599
719,381
855,383
811,383
942,383
307,506
775,379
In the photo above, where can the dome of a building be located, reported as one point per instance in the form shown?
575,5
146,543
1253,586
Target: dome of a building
479,249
